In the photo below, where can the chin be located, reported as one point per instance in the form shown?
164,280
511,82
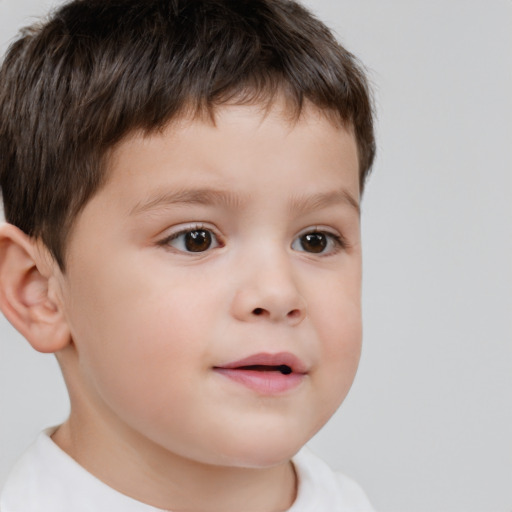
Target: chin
262,452
261,460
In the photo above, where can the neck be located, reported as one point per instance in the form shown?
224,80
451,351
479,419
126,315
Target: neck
139,468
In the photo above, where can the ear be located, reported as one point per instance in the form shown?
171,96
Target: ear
27,295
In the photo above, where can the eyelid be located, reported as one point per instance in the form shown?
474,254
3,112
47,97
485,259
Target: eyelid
339,241
182,229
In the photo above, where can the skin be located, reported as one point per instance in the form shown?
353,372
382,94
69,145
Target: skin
145,322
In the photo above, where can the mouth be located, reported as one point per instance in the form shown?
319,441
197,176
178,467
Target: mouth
282,368
267,374
283,362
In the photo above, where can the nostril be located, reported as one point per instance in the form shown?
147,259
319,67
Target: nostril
293,314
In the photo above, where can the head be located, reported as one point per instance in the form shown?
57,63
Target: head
74,87
185,178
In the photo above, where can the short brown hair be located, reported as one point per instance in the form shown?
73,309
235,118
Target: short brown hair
74,86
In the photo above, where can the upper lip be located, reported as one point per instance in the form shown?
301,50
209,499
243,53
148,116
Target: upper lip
268,359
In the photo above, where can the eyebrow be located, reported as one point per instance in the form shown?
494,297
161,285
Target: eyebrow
324,200
203,196
208,196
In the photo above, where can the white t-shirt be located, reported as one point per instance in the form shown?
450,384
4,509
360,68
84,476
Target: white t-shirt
46,479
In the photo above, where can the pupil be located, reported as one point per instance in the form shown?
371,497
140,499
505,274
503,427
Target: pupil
314,242
198,241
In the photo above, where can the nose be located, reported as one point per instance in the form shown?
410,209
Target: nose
269,291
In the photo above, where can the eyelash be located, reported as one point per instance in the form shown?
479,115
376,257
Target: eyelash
337,242
166,242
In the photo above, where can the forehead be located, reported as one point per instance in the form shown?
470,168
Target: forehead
235,147
306,122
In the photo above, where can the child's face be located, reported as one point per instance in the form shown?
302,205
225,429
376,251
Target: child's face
211,252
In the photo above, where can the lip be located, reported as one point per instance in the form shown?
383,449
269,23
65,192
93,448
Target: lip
285,372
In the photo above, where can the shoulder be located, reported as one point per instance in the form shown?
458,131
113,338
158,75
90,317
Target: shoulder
20,485
46,479
33,478
320,488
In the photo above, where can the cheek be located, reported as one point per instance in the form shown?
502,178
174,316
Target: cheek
137,336
341,348
339,328
337,314
342,332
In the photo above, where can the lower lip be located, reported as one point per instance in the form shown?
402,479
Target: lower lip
265,383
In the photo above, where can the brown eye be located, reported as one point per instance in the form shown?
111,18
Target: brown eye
314,242
319,242
192,240
198,241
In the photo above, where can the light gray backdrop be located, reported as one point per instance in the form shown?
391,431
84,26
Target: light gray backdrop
428,424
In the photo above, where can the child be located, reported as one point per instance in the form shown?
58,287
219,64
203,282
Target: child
181,182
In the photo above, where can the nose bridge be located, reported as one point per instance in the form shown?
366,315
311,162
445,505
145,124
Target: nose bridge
269,288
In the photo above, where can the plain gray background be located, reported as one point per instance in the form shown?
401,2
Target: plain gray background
428,424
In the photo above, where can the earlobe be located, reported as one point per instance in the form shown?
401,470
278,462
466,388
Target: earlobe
24,292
